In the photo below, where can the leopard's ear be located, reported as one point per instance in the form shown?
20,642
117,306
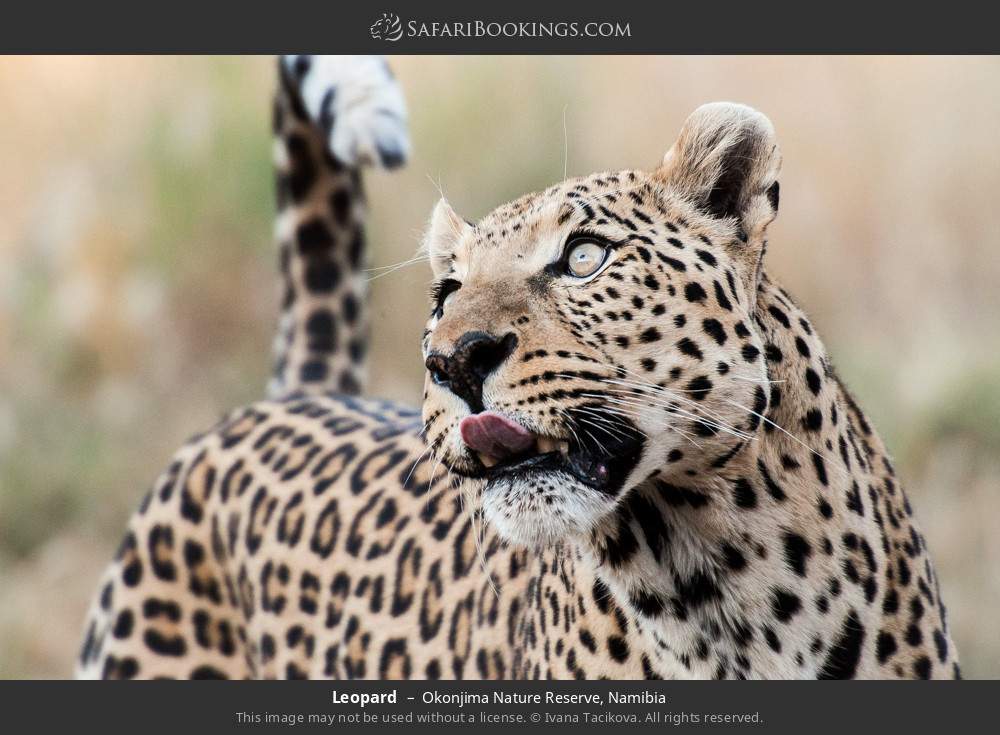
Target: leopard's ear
444,234
726,160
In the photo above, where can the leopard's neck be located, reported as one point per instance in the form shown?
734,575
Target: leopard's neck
775,566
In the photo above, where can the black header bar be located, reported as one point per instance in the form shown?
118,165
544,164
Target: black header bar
509,27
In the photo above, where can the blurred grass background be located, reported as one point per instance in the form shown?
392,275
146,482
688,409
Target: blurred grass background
138,290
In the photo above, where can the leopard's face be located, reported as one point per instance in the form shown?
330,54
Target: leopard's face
583,340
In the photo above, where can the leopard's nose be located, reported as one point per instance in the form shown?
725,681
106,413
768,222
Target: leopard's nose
475,357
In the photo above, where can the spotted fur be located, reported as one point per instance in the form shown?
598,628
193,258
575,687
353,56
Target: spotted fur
758,529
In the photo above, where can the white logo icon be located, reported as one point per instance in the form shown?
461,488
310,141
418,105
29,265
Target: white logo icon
387,28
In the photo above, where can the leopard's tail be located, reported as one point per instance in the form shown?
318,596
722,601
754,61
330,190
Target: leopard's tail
332,116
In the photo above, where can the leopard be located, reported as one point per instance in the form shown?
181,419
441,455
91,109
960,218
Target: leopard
634,459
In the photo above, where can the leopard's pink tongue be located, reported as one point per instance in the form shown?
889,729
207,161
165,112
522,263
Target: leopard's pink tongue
492,434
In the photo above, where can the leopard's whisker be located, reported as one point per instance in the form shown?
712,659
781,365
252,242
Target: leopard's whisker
414,465
603,418
569,425
478,532
669,393
637,403
400,264
608,425
598,426
754,413
667,425
386,273
593,438
430,478
670,407
762,381
750,411
684,434
833,463
657,389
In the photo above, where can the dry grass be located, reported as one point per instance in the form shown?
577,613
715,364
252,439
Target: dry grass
137,291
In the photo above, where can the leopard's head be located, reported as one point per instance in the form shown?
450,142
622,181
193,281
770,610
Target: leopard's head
589,337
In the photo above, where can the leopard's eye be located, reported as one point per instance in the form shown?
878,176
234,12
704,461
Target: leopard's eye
584,257
442,294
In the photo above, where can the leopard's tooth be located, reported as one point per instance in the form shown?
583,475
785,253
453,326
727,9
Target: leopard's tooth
564,448
487,460
546,444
